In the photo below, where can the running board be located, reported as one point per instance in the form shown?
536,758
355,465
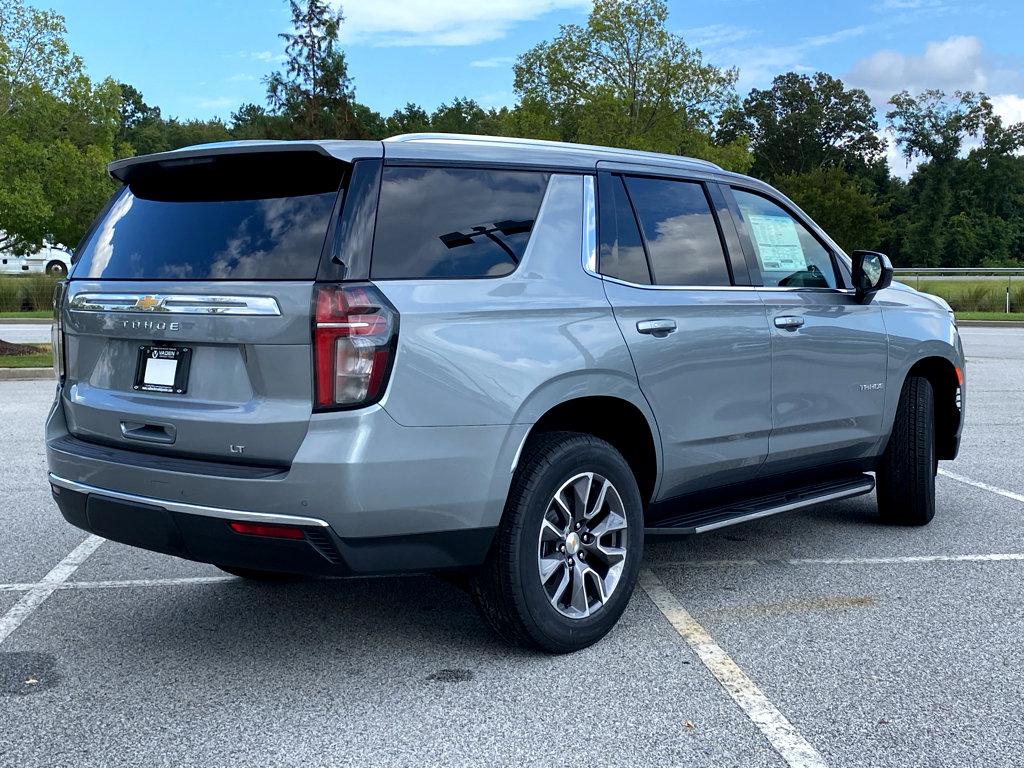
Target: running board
698,521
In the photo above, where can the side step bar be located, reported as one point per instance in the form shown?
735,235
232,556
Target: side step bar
698,521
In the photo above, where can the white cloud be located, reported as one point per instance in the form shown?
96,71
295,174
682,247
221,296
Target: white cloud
715,35
219,102
257,56
493,62
1010,107
240,78
759,63
441,22
954,63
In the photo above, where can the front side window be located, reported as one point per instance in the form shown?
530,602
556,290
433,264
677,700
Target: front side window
787,253
454,222
682,237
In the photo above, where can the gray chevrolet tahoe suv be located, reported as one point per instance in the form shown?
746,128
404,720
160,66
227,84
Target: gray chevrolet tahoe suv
501,358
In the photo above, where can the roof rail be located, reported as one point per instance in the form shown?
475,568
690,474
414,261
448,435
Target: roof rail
512,141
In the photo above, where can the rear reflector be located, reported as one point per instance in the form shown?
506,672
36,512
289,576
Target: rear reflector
267,530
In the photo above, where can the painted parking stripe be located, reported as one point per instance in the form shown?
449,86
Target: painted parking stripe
776,728
17,587
59,574
980,485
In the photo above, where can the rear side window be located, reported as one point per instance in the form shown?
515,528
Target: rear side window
787,253
622,249
232,217
454,222
682,237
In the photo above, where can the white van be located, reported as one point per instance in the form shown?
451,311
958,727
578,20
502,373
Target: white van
53,260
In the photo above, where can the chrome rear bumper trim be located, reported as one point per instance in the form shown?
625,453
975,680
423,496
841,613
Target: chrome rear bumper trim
184,507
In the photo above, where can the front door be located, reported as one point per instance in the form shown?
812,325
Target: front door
829,351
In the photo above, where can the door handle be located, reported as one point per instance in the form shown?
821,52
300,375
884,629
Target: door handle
789,322
659,328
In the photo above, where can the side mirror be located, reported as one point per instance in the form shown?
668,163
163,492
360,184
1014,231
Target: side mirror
872,272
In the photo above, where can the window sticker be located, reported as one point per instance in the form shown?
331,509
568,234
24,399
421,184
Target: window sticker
778,242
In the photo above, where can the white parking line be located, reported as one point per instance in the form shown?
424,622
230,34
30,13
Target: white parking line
17,587
776,728
100,584
985,486
39,592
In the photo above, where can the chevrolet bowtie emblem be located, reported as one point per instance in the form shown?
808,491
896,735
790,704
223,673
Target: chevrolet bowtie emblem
148,303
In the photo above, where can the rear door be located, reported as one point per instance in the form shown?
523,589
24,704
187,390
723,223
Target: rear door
695,328
187,318
829,351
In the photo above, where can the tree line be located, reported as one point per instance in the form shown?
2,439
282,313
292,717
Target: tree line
622,79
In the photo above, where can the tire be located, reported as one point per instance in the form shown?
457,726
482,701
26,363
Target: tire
258,575
57,268
906,474
509,588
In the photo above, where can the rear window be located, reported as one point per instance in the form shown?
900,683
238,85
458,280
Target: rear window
233,217
454,222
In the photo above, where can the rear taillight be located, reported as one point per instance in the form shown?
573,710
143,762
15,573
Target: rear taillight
355,330
57,330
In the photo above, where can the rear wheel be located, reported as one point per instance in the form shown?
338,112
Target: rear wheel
566,556
56,268
906,474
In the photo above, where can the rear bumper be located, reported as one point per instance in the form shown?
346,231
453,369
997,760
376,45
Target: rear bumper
390,498
203,534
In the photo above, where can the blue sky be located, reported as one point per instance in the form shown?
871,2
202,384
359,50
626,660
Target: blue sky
200,58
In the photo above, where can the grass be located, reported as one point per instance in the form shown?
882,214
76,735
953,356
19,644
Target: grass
28,314
973,296
26,294
1004,316
27,356
38,360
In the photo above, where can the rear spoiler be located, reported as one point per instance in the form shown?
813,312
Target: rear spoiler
345,151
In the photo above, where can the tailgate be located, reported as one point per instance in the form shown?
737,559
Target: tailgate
187,315
248,390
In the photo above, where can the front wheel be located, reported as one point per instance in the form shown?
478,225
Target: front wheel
57,269
566,556
906,474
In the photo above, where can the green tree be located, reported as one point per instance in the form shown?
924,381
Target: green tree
462,116
934,127
625,80
57,132
838,202
314,92
412,118
804,123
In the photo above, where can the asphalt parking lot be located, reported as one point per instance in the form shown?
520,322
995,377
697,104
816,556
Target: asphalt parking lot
817,637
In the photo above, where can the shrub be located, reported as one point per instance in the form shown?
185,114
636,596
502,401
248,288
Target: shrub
26,293
1017,300
976,299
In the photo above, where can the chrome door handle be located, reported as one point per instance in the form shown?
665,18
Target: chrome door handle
660,327
789,322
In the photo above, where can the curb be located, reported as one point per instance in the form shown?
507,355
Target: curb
991,323
24,374
23,321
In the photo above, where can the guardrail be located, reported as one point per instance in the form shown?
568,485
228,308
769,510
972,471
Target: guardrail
948,273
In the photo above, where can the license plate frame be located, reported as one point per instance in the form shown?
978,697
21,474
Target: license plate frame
182,357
